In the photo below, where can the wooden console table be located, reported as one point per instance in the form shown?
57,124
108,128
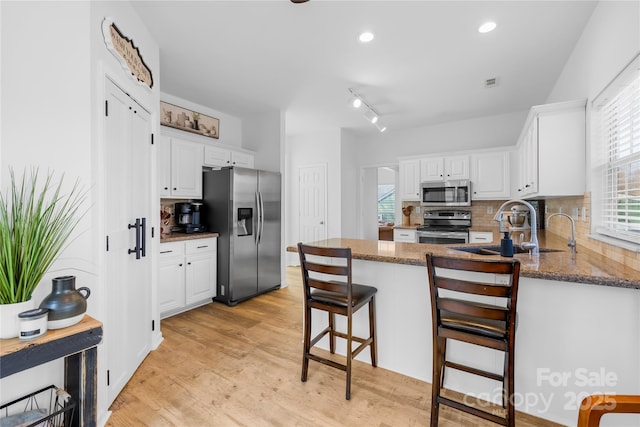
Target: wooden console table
77,344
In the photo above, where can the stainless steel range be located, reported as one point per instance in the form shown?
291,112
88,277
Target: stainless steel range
445,227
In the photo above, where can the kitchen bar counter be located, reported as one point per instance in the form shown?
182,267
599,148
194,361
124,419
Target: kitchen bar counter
579,333
177,237
585,267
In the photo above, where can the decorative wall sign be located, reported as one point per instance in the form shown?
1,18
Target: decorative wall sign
184,119
126,52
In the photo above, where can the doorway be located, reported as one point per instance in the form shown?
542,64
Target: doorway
313,203
379,206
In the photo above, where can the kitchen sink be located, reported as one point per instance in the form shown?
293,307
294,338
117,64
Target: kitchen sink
495,250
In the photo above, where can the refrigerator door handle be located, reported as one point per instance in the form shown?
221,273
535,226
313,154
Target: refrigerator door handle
261,217
257,217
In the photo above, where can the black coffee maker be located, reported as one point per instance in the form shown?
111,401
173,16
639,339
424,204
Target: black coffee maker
188,218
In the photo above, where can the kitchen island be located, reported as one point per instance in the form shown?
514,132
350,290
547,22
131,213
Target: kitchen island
578,328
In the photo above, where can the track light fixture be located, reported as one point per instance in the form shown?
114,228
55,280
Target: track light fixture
356,101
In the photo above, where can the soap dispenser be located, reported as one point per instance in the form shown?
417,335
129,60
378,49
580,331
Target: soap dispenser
506,244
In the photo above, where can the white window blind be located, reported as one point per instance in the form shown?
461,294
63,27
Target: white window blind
616,157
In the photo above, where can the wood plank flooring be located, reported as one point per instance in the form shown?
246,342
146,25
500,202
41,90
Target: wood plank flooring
240,366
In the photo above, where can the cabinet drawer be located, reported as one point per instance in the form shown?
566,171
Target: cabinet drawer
171,249
201,245
404,235
480,237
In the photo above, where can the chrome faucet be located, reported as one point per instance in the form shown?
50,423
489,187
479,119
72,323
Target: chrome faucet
572,239
532,246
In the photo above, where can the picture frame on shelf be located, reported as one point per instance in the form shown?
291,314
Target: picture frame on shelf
191,121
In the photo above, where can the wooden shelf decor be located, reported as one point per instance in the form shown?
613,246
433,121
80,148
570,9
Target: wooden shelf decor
187,120
78,345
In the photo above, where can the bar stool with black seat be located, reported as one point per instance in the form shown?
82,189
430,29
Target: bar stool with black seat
328,286
487,321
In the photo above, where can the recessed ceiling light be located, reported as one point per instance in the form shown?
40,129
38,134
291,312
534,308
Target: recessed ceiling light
366,37
486,27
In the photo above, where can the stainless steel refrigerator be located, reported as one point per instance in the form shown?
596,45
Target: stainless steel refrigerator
243,205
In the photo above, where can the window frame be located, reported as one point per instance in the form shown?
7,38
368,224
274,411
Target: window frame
604,166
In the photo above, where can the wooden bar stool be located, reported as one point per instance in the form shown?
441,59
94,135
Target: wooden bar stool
485,324
328,286
594,406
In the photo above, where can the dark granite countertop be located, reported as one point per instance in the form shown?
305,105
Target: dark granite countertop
584,267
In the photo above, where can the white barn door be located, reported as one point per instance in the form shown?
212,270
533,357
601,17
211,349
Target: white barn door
128,266
312,200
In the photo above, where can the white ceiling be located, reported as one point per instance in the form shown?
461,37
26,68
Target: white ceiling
426,65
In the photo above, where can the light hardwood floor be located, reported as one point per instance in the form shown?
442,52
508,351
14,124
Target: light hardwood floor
240,366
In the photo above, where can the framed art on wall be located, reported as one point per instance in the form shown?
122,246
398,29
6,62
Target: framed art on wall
187,120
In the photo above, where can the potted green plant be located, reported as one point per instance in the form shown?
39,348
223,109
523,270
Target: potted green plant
36,220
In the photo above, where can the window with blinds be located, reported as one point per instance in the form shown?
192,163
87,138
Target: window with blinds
616,157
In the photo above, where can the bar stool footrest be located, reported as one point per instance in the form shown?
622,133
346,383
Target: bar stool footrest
475,411
471,370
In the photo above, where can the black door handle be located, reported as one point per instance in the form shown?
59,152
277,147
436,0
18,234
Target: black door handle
143,235
136,249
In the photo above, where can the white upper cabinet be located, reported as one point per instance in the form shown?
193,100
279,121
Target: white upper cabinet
409,171
179,168
432,169
444,168
490,175
552,150
220,157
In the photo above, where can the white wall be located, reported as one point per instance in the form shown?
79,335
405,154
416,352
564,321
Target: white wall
482,132
46,122
264,134
53,64
307,150
350,176
610,41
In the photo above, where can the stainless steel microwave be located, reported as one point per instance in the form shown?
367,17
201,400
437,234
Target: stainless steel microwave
446,193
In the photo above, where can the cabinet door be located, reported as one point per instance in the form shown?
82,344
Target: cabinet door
186,169
432,169
490,175
409,179
200,277
244,160
171,284
217,157
164,166
456,167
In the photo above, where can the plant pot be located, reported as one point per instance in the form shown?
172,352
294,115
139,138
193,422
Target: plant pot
66,304
9,322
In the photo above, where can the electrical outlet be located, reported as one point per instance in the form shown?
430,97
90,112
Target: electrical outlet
417,209
584,214
489,210
560,209
575,213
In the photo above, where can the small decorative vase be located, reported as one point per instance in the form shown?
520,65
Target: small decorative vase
66,304
9,321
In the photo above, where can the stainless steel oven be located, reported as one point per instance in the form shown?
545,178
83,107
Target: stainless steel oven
445,227
443,237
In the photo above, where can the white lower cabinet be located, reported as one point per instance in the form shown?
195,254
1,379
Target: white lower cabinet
187,275
405,235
